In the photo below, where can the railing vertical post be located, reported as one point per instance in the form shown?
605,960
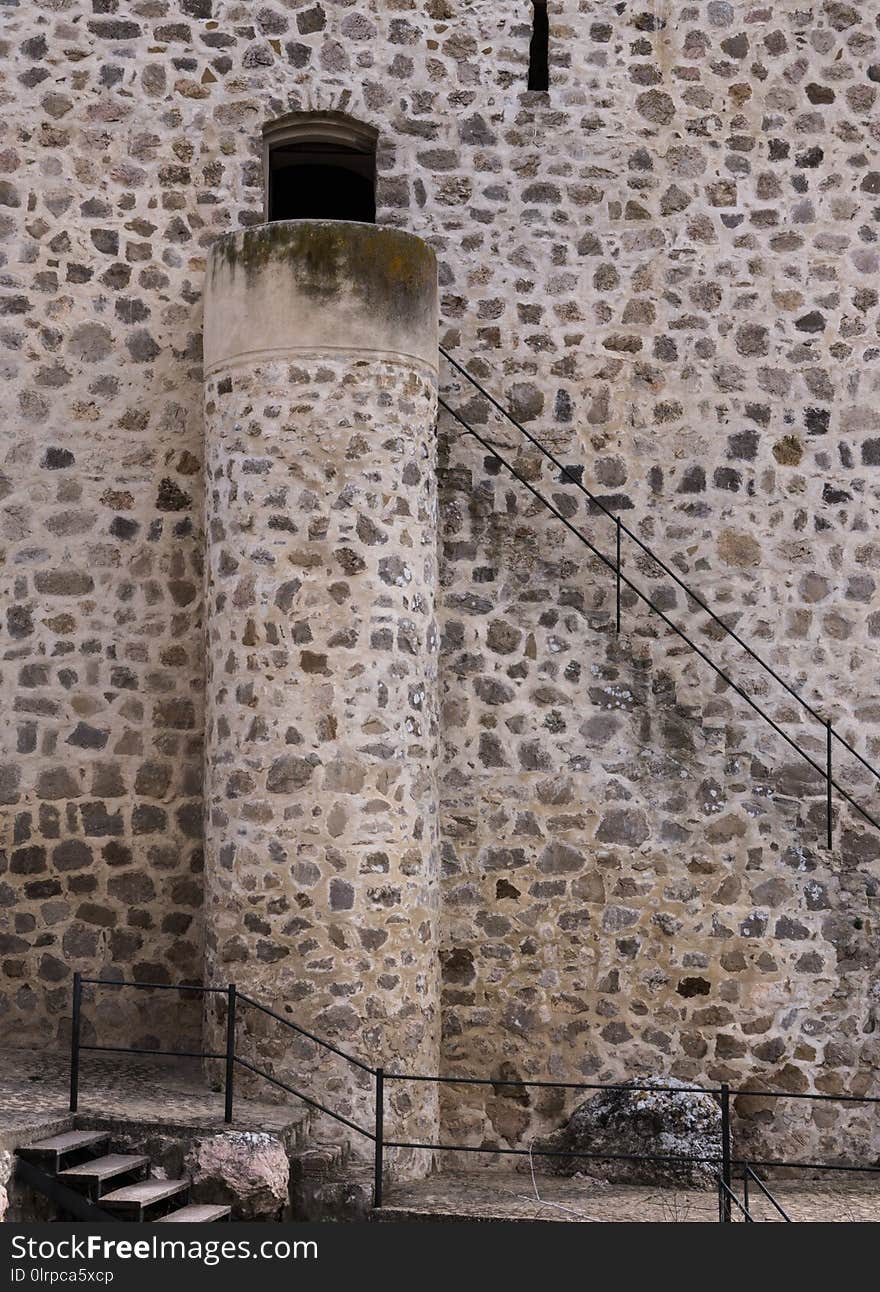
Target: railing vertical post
617,620
379,1145
74,1041
746,1189
828,737
725,1152
230,1049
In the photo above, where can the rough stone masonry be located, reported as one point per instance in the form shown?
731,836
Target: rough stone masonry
666,266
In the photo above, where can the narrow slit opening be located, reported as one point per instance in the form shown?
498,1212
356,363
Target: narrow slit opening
539,49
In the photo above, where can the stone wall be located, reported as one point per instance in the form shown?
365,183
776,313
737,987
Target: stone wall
102,672
670,282
667,268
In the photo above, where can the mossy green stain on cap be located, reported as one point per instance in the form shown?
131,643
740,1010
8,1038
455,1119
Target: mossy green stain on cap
377,263
321,285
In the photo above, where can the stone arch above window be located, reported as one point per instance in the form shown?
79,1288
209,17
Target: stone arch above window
320,166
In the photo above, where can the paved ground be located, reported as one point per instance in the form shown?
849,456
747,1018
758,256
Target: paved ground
114,1088
491,1195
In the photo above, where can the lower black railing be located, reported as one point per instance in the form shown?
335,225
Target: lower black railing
232,1060
726,1165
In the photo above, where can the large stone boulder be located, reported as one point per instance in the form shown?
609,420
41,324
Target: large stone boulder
249,1170
632,1121
19,1204
6,1166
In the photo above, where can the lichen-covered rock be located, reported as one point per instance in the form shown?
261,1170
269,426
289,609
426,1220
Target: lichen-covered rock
5,1176
632,1121
249,1170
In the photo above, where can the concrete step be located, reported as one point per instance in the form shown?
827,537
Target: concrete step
195,1213
132,1200
56,1151
91,1177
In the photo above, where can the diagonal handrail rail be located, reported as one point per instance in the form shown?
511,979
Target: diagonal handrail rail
295,1027
615,567
749,1175
234,998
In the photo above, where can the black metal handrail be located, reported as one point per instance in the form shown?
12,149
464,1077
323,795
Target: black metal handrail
313,1103
229,1057
615,565
724,1160
749,1175
727,1195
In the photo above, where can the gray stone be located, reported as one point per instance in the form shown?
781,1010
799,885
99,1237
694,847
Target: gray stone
624,826
641,1122
289,773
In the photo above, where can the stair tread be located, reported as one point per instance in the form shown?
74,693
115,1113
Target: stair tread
143,1193
67,1142
104,1168
194,1213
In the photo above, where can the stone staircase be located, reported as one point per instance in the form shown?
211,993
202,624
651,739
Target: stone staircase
76,1172
154,1121
123,1173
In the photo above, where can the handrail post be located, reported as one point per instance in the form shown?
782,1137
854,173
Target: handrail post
726,1216
828,735
617,621
746,1188
74,1041
230,1049
379,1145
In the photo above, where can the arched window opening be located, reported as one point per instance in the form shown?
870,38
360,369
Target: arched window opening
320,166
539,49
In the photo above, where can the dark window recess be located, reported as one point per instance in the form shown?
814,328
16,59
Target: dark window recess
539,50
321,182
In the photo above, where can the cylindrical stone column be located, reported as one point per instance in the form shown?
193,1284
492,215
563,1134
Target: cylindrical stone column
322,822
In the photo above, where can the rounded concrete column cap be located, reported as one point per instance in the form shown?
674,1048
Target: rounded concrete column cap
320,286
